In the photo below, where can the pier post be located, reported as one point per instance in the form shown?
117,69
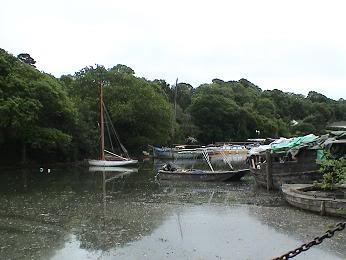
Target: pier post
269,171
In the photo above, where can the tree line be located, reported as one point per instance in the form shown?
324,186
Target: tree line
44,118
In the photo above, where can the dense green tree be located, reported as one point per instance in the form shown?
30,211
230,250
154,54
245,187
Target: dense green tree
266,107
244,91
139,109
36,113
314,96
304,128
165,87
184,94
214,113
58,119
120,68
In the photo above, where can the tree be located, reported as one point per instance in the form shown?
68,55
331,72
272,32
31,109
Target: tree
214,113
184,94
266,107
334,172
304,128
317,97
36,113
138,106
165,87
139,109
120,68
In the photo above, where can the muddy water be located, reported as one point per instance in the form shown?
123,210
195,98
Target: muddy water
72,213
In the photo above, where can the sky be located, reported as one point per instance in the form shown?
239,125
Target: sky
295,46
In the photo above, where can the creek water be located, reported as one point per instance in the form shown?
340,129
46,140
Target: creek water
74,213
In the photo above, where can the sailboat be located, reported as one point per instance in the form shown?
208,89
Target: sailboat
109,158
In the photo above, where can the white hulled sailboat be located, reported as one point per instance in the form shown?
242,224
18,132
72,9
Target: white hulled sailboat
108,158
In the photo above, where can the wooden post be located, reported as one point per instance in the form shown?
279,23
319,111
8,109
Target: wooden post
323,208
269,170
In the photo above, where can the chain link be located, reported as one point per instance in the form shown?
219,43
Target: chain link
316,241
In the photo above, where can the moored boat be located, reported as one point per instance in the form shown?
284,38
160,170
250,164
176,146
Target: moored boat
196,152
112,169
201,175
179,152
308,197
230,150
112,163
162,152
294,160
271,172
109,158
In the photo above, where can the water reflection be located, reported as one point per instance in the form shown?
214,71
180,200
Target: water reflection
77,213
118,219
303,226
213,232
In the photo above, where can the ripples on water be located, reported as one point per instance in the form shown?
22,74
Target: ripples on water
72,213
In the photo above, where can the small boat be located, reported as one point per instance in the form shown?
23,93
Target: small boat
112,163
308,197
201,175
169,172
230,150
111,169
177,152
162,152
109,158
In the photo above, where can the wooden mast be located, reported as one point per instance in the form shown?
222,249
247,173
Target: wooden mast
175,111
102,133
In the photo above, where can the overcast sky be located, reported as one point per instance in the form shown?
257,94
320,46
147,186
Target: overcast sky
293,45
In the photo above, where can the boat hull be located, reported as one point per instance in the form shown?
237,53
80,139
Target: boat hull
298,196
181,153
200,175
164,152
111,163
288,172
111,169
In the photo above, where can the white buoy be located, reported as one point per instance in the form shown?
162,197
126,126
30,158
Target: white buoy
41,169
48,170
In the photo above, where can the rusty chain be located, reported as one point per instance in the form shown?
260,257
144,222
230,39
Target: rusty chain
316,241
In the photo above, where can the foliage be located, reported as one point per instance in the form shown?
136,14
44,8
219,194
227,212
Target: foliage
45,115
35,110
304,128
334,172
214,114
139,109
